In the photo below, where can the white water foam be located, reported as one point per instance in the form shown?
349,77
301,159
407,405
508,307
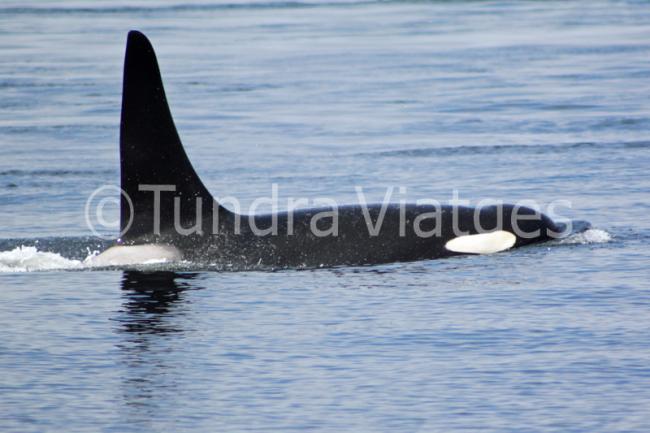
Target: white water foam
590,236
28,259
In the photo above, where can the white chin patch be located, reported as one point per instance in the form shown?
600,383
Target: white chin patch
484,243
121,255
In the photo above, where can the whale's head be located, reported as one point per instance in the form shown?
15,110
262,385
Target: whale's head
500,227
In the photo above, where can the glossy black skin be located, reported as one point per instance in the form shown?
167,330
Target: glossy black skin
151,153
354,244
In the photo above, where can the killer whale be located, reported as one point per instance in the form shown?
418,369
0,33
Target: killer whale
166,212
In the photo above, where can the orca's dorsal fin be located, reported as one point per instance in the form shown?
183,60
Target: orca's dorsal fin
151,152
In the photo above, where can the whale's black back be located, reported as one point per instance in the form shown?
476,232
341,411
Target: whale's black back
151,152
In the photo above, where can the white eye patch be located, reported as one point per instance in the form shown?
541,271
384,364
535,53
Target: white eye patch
483,243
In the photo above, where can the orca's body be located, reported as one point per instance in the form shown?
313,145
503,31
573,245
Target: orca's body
161,217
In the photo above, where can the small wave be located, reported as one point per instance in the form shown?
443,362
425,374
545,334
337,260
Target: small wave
200,7
590,236
28,259
505,148
54,173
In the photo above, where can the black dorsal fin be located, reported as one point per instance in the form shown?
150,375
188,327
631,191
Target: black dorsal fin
151,152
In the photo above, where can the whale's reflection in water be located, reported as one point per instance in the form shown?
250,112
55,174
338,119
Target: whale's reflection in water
152,321
150,301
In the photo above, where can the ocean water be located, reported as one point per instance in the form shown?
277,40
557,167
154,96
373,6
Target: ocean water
511,100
